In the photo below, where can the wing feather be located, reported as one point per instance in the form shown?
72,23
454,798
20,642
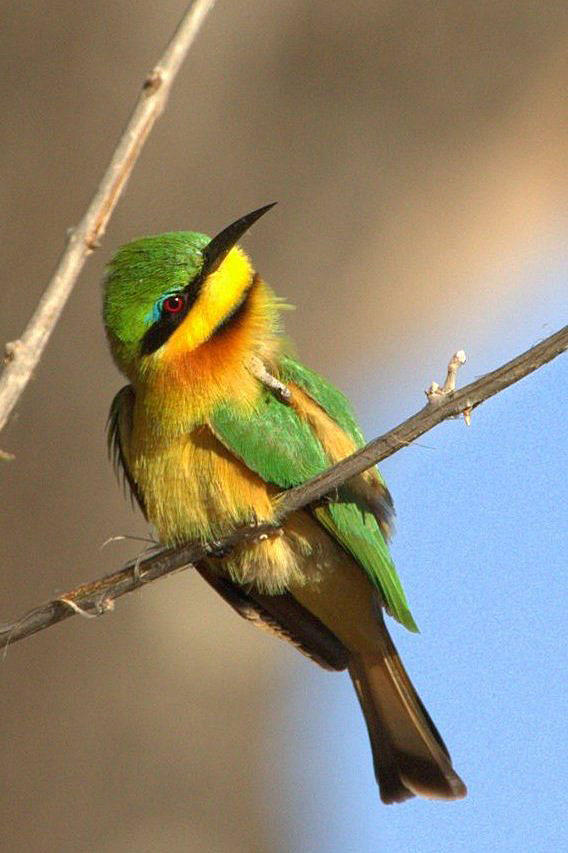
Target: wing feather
277,444
119,427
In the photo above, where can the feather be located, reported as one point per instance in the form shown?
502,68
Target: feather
288,444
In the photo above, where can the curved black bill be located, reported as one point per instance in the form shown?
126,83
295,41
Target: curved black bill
216,251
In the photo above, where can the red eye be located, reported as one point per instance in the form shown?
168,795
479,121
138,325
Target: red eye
173,304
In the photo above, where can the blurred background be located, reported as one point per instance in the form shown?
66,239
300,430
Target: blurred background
418,153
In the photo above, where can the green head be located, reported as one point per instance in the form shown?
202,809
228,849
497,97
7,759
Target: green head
155,284
141,277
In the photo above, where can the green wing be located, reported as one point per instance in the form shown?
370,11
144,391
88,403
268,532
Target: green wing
275,443
119,426
323,392
272,441
332,401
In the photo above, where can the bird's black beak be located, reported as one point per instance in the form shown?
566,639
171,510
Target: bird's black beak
216,251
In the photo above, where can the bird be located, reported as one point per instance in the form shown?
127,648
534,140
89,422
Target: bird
218,419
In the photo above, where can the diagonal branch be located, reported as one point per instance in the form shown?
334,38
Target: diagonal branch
443,407
97,597
23,355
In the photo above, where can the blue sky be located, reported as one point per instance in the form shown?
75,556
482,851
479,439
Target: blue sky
481,546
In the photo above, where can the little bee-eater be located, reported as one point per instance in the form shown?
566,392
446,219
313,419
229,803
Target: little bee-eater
218,419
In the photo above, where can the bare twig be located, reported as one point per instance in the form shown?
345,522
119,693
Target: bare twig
454,404
96,598
23,355
434,392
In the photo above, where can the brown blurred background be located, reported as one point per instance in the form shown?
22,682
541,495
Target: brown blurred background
412,148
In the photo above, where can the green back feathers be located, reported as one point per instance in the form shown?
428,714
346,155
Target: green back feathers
327,395
272,441
323,392
139,274
275,443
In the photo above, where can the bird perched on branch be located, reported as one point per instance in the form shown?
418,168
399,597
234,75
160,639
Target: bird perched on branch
218,420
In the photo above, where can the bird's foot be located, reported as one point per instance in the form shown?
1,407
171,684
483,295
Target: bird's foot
216,549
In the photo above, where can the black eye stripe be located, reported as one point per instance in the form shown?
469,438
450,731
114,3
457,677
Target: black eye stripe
165,326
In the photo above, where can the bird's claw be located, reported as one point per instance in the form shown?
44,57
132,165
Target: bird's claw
216,549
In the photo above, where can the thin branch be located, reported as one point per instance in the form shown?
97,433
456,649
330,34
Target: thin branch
446,406
23,355
97,597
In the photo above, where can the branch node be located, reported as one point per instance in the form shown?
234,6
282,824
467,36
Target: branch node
12,349
153,81
92,242
436,394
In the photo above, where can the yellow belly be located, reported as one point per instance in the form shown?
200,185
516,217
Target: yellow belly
193,488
